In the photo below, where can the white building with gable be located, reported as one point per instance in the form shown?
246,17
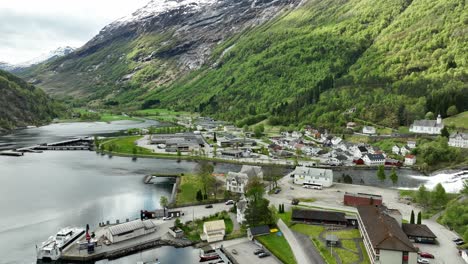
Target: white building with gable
432,127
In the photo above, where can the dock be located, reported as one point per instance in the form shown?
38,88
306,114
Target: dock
11,153
120,249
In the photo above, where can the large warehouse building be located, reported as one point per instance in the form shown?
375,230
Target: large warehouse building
130,230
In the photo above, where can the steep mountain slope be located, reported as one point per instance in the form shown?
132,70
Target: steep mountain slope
22,104
387,62
44,58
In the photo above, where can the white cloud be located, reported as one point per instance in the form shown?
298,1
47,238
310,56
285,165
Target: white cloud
29,28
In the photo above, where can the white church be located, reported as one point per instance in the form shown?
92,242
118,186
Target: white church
432,127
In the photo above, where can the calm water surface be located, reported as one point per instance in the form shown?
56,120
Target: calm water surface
41,193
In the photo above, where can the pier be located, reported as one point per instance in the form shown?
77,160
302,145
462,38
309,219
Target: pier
106,250
11,153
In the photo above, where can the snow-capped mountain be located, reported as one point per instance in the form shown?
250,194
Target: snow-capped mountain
57,53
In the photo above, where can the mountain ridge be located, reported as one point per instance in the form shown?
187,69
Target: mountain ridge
292,62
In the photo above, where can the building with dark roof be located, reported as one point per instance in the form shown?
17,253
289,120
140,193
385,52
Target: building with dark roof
383,236
319,217
258,231
356,199
374,159
419,233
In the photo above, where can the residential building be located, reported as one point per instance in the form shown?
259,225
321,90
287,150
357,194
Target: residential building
234,153
256,231
360,151
236,181
130,230
411,144
432,127
319,217
176,232
410,160
396,150
357,199
369,130
336,140
313,176
213,231
374,159
405,150
383,237
350,125
419,233
459,140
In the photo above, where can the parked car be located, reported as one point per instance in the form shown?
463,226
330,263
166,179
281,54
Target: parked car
277,191
234,251
295,201
426,255
264,255
209,206
167,218
457,239
423,261
460,242
229,202
258,251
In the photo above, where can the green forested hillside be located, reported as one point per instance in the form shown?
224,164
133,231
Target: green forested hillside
22,104
325,62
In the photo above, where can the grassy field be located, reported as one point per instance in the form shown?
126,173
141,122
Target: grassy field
164,115
357,139
313,231
125,145
366,259
458,121
279,247
188,188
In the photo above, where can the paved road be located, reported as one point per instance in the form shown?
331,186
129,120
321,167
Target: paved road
298,251
309,248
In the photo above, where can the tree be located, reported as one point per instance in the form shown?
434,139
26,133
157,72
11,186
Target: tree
430,116
214,137
96,142
452,110
438,195
205,172
381,173
422,196
258,213
258,130
412,217
279,209
465,188
179,153
134,150
163,201
199,196
255,189
444,132
419,218
272,174
394,176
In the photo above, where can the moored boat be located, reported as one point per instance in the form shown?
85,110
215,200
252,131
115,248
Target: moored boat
52,247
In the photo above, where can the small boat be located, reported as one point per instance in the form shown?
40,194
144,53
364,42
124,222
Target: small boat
52,248
207,255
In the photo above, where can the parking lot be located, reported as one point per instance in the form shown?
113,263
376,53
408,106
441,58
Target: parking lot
245,249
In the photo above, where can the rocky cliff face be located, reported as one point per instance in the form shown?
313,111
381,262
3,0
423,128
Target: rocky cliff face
183,35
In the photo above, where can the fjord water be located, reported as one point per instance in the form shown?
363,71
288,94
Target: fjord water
43,192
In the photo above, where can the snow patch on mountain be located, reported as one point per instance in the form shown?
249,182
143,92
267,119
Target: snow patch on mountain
59,52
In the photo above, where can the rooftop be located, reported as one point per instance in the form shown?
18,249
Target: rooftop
415,230
216,225
383,230
375,156
130,226
318,215
260,230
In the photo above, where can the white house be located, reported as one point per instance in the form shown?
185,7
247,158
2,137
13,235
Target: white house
459,140
336,140
369,130
236,181
405,150
411,144
410,160
374,159
432,127
296,134
213,231
396,150
360,151
130,230
313,176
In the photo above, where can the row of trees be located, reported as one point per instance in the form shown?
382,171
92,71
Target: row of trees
436,198
382,176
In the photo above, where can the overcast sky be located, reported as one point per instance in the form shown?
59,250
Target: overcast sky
29,28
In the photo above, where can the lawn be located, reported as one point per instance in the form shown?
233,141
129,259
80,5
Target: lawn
188,188
278,246
357,139
286,217
313,231
366,259
457,121
125,145
163,114
307,200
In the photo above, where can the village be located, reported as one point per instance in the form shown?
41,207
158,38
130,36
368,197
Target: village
291,211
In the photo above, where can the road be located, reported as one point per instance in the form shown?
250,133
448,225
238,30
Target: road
445,252
298,251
